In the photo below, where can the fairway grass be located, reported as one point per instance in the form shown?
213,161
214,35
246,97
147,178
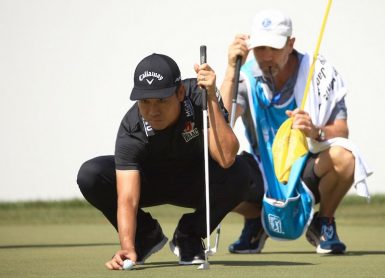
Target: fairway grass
71,239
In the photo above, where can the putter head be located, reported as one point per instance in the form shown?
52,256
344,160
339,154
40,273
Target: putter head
212,251
204,266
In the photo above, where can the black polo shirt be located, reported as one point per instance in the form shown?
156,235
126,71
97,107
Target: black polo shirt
139,147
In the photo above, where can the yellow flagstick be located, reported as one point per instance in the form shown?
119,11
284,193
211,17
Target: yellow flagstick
290,144
311,71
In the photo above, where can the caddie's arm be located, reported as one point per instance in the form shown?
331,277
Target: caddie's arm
237,48
223,144
302,121
128,189
338,128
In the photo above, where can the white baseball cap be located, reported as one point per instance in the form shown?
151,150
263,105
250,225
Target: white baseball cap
270,28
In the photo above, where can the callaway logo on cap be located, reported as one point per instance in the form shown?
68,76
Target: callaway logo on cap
149,77
156,76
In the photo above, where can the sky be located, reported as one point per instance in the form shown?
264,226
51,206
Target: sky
66,73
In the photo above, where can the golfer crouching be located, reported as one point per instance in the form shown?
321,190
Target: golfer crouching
159,160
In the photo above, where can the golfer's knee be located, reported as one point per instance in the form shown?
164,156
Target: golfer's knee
241,177
87,176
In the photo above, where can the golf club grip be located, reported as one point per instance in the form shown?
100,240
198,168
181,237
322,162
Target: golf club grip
235,89
203,60
203,54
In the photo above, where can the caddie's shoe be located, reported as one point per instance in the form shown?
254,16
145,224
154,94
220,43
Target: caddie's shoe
322,233
252,238
313,231
189,249
150,243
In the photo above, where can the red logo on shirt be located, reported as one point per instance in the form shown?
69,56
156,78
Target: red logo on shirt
189,131
188,127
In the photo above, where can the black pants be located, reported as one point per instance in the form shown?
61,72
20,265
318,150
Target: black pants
228,187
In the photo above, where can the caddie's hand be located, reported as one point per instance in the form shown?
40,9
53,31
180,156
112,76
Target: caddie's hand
239,47
303,122
116,263
206,78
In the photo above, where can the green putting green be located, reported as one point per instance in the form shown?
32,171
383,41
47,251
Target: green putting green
71,239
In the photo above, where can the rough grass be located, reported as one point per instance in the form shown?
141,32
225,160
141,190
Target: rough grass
352,209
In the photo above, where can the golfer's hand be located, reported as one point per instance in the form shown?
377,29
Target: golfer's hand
239,47
303,122
206,78
116,263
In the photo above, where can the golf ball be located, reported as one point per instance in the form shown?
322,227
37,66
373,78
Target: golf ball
128,264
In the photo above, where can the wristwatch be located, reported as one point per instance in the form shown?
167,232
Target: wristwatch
321,135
